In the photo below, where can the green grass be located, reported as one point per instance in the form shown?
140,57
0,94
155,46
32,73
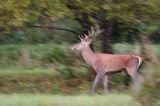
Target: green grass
28,81
61,100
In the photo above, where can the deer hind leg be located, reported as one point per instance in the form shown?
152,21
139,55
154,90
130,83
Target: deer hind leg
136,77
96,80
132,72
137,80
105,84
132,67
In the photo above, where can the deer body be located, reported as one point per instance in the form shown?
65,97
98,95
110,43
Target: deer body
105,63
110,62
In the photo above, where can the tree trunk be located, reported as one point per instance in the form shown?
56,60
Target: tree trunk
106,38
85,23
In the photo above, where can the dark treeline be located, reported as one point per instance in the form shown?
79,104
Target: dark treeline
34,36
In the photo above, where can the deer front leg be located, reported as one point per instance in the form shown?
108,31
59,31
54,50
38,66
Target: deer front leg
105,84
96,80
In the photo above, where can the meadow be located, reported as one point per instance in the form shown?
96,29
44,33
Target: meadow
64,100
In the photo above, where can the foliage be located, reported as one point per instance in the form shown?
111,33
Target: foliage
137,12
17,14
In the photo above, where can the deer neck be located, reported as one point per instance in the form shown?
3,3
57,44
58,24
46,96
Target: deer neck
89,55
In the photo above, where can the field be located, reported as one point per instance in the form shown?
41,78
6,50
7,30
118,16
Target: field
62,100
57,76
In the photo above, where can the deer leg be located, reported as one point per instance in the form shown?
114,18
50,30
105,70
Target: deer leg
132,68
132,73
96,80
136,77
105,84
137,80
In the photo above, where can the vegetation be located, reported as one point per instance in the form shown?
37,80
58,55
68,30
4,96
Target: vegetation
35,55
81,100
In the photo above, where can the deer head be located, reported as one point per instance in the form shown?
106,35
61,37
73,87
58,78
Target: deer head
86,40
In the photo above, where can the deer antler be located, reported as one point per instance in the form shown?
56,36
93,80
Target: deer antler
91,34
80,38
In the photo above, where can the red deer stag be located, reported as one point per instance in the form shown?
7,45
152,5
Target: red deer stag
105,63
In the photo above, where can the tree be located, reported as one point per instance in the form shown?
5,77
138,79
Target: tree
106,14
25,13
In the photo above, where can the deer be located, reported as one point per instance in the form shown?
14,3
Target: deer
104,63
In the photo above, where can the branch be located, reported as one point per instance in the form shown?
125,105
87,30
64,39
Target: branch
52,27
43,11
95,17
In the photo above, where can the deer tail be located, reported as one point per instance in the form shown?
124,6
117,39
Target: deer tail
139,61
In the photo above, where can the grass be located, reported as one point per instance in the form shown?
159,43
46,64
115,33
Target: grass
61,100
28,81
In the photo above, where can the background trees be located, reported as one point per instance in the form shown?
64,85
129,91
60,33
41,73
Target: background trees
112,15
124,19
38,20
